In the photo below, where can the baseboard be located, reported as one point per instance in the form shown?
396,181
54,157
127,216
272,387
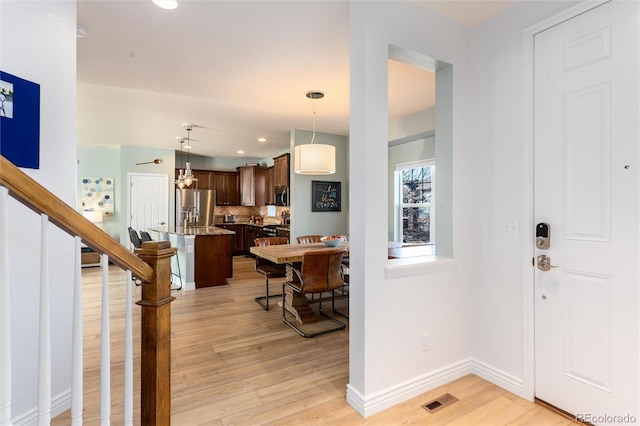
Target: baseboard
59,404
368,405
498,377
189,286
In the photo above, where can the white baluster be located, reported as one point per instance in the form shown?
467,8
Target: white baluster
128,356
5,317
44,358
105,348
77,341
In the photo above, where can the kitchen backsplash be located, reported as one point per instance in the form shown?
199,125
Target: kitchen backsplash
243,214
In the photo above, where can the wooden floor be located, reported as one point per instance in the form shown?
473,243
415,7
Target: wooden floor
235,364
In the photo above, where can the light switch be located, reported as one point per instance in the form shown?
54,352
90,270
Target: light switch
511,227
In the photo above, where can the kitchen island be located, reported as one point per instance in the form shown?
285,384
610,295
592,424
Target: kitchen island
205,254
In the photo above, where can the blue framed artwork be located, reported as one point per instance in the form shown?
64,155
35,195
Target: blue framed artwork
20,121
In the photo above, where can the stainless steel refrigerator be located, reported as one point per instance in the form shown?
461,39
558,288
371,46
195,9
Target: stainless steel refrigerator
195,207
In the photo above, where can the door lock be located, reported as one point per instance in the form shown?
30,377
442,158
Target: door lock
543,236
544,263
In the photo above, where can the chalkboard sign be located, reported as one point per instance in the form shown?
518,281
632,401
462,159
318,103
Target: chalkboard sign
325,196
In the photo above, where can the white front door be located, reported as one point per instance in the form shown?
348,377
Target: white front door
148,201
586,189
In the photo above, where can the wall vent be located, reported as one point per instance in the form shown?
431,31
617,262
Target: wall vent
439,403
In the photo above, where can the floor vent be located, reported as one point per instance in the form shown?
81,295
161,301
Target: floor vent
439,403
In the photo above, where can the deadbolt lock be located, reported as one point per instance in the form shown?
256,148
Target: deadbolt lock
543,236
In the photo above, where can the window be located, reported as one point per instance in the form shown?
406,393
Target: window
415,194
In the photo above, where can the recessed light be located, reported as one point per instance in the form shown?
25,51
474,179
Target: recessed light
240,152
262,139
166,4
81,32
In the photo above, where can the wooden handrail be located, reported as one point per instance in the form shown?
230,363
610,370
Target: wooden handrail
39,199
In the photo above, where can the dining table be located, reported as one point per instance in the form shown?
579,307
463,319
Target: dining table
292,256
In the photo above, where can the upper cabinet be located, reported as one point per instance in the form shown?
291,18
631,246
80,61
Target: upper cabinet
269,186
204,179
252,185
281,170
227,188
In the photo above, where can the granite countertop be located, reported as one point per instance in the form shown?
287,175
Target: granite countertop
196,230
278,226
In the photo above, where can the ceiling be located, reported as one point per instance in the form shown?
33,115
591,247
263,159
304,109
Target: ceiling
237,70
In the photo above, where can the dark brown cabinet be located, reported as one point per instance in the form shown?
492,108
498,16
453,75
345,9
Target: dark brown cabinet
251,233
269,186
280,232
252,185
241,245
204,179
232,227
226,187
213,261
281,170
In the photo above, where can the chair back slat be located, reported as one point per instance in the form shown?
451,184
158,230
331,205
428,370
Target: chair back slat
271,241
321,271
308,239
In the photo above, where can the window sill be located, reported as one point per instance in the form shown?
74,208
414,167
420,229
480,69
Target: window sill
411,266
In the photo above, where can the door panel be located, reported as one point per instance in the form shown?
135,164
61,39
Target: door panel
586,188
149,201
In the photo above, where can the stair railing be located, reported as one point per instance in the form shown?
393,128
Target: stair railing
151,265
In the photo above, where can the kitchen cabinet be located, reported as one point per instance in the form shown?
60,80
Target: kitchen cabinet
213,262
251,233
204,179
252,185
226,187
281,232
203,176
241,244
232,227
281,170
269,186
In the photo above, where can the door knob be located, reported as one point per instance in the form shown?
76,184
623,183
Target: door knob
544,263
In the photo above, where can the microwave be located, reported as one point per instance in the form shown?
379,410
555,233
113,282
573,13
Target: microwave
281,196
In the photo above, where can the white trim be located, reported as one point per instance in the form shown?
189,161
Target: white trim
59,404
367,406
500,378
374,403
427,162
420,265
528,34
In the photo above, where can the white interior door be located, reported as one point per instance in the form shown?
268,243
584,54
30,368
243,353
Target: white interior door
148,201
586,189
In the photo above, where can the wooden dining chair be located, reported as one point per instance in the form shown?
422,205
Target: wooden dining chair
269,269
308,239
321,271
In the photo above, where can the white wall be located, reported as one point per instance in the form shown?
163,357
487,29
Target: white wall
388,316
39,44
497,84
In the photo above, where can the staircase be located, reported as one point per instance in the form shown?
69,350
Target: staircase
150,264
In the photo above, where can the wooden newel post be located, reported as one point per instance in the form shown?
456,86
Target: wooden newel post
155,356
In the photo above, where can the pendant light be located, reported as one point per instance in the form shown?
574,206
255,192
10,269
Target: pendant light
189,178
314,158
180,181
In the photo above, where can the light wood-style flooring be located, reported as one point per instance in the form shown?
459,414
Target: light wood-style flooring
235,364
